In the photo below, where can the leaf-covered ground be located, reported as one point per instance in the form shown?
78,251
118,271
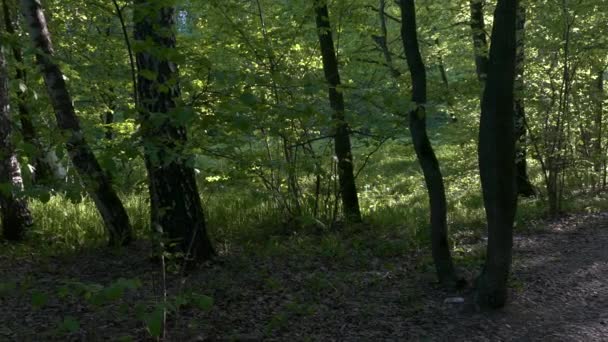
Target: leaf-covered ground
559,293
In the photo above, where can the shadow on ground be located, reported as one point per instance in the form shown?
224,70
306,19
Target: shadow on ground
559,294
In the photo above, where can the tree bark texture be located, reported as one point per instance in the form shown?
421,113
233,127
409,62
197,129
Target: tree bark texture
16,216
424,151
95,180
43,171
497,157
342,145
524,186
175,202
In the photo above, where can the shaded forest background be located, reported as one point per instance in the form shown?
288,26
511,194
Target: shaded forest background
303,127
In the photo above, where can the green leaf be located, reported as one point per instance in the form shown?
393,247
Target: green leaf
202,302
44,197
70,324
154,321
248,99
5,189
39,299
148,74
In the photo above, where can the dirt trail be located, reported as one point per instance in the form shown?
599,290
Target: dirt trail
563,274
560,293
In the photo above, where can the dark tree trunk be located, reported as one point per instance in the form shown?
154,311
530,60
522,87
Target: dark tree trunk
497,157
382,42
424,151
599,156
43,171
524,186
175,201
348,188
480,42
95,180
16,216
108,120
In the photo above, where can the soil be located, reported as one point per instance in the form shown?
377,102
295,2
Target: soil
559,292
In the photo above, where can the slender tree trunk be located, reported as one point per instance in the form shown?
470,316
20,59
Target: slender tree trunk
497,157
382,41
14,211
424,151
524,186
175,201
599,157
95,180
294,206
107,117
108,120
348,188
43,170
123,26
480,42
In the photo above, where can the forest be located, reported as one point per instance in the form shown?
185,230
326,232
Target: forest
321,170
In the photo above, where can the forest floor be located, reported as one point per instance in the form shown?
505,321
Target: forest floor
559,292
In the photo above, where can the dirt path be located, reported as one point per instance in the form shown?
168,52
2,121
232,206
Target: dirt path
560,293
564,287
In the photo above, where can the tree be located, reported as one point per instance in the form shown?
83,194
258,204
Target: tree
342,145
524,186
497,157
599,154
480,44
424,150
15,213
44,160
95,180
175,202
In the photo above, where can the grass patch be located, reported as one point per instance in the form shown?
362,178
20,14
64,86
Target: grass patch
243,215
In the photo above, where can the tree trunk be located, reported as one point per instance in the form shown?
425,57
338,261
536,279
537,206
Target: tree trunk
95,180
599,158
14,211
43,171
424,151
348,188
480,42
175,202
497,157
524,186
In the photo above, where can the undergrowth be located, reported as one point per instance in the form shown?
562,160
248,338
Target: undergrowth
392,195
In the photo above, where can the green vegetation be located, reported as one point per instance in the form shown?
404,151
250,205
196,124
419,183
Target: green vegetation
287,157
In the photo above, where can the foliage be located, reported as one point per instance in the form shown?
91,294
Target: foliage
259,130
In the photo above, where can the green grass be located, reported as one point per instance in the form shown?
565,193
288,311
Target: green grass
392,196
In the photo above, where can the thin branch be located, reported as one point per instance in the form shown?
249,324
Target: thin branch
385,14
307,142
369,156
